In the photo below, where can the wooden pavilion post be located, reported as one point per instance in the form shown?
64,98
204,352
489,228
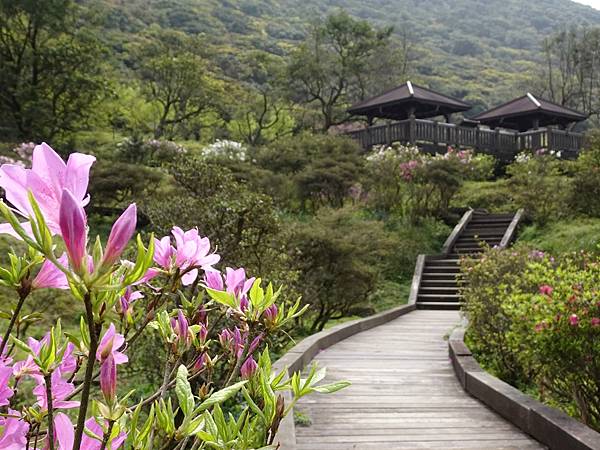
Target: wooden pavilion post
412,129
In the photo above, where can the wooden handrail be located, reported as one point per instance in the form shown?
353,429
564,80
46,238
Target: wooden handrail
416,281
504,141
510,232
460,226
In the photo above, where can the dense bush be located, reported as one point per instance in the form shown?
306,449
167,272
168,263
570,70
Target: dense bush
535,321
585,197
310,171
538,184
340,256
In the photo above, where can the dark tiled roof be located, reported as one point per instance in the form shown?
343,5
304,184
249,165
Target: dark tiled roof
529,104
409,92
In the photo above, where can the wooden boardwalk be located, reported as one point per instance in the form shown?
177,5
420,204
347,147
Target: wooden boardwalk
404,394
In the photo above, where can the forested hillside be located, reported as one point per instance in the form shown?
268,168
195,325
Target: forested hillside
479,50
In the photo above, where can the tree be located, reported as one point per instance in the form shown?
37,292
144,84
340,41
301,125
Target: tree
51,69
262,114
340,62
571,73
176,77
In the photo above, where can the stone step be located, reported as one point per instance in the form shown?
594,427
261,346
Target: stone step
440,276
434,283
443,290
439,297
442,269
438,305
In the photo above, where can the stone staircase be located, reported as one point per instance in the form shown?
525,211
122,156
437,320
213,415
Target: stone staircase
436,281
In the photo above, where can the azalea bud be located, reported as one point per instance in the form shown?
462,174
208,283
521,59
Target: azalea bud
200,362
225,339
202,334
244,304
270,315
73,227
181,328
108,379
546,290
595,321
248,368
120,235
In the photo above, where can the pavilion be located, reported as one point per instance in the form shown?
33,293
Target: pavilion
406,100
529,113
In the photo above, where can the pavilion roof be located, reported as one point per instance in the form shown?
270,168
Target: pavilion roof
398,102
521,112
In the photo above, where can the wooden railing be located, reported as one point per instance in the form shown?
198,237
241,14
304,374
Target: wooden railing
417,131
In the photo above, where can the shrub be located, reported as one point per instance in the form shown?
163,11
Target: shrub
311,170
210,332
340,256
538,184
585,196
533,318
406,182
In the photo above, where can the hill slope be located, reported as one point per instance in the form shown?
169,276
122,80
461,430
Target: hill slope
479,50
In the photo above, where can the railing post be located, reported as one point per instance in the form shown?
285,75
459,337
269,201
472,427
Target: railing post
497,140
434,130
477,139
412,129
388,133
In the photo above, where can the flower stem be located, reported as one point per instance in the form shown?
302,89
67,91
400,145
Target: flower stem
107,434
13,320
89,371
48,379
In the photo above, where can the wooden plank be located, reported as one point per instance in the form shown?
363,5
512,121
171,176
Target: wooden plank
404,394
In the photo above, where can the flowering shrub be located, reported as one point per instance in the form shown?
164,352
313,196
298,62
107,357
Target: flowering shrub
534,318
225,149
214,328
411,183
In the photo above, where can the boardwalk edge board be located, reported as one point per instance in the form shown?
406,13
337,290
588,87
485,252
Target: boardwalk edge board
302,354
548,425
456,232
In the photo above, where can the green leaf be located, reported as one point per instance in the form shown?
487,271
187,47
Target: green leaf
220,396
222,297
333,387
184,391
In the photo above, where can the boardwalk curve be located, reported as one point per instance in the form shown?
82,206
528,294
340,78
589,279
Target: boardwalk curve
404,394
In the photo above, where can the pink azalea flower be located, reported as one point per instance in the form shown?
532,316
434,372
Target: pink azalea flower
61,389
595,321
64,433
90,443
546,290
214,280
6,392
47,179
121,233
125,305
110,344
574,320
248,368
51,276
13,431
73,227
190,253
236,282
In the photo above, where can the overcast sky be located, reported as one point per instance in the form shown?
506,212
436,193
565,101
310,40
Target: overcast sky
593,3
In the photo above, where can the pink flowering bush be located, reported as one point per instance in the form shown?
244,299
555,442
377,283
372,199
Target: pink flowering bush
61,390
534,320
410,183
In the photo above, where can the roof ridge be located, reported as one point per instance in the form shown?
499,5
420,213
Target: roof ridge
487,111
